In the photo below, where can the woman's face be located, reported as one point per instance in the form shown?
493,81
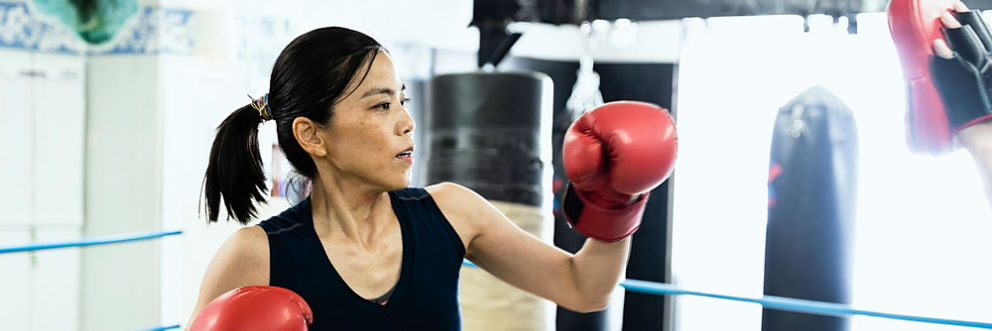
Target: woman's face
370,136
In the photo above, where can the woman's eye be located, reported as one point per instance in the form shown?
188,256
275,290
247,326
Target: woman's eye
404,101
383,106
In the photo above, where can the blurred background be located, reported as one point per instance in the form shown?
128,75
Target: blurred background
108,109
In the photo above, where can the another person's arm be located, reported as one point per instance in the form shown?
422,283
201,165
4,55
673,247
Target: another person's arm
977,139
976,136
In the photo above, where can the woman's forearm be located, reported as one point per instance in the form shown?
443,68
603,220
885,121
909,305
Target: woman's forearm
598,267
977,139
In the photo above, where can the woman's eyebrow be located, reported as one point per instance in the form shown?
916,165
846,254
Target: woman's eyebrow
381,90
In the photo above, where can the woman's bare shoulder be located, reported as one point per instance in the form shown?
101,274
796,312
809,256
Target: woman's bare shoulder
243,260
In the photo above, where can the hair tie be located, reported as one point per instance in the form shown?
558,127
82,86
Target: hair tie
262,106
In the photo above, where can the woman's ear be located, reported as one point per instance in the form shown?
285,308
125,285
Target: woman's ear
308,135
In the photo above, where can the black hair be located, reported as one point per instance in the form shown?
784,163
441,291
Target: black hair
311,74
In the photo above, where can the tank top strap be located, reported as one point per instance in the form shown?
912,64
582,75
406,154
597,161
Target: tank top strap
415,206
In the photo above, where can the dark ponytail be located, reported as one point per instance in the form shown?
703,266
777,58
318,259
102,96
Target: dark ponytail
311,74
235,168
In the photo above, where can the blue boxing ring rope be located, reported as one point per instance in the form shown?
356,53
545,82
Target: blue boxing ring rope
633,285
785,304
92,241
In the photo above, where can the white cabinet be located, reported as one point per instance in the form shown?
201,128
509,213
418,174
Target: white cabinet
54,283
40,289
42,141
42,105
16,276
16,135
59,140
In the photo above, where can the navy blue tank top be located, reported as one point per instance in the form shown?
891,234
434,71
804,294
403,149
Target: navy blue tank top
424,298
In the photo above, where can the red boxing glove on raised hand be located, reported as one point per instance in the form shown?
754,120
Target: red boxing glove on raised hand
255,308
614,155
946,95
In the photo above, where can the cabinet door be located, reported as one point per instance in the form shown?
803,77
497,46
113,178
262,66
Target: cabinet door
16,135
15,277
55,282
59,139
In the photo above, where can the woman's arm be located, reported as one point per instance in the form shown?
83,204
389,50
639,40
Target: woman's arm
977,139
243,260
613,156
581,282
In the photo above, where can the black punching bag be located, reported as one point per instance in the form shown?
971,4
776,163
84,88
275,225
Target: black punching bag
812,188
491,132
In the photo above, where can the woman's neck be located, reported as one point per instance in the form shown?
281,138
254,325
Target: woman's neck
348,211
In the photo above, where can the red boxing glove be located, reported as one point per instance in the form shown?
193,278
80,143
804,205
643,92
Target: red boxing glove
613,154
945,95
255,308
914,25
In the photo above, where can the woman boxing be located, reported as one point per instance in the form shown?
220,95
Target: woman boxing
366,252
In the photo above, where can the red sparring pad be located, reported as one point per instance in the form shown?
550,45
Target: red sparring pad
914,25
